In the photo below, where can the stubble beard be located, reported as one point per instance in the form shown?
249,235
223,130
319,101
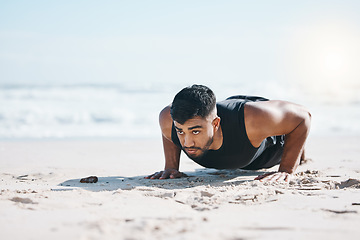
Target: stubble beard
203,150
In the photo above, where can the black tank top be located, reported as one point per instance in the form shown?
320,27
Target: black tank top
236,150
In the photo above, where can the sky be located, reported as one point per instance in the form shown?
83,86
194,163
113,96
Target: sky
313,44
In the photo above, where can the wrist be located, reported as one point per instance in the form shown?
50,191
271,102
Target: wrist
289,170
170,167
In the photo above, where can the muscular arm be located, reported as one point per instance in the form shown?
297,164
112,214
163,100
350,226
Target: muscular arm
171,151
273,118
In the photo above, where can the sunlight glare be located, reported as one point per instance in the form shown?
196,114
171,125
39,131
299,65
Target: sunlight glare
325,58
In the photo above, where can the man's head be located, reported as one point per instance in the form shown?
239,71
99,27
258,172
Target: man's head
193,111
194,101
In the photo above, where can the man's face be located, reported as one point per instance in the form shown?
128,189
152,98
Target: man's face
196,136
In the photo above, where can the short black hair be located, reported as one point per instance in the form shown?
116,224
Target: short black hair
193,101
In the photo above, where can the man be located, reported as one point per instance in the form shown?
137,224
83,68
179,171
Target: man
240,132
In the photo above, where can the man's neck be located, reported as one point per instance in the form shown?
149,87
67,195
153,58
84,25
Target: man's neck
218,140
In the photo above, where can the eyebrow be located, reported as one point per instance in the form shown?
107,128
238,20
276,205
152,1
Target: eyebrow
190,128
194,127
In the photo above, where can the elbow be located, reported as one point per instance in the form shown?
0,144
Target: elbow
303,120
306,116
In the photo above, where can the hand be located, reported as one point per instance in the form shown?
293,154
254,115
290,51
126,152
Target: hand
274,177
168,173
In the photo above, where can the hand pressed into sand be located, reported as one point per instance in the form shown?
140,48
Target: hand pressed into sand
168,173
274,177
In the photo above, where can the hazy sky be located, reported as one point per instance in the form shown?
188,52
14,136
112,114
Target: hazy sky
66,42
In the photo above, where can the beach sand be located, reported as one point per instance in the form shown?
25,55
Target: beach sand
42,198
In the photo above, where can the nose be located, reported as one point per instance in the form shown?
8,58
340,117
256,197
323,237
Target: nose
188,141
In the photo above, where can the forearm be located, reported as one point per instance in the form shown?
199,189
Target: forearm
172,154
294,146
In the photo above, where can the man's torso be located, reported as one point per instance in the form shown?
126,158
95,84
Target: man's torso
236,150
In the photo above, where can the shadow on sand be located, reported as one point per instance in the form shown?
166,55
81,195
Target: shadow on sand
198,178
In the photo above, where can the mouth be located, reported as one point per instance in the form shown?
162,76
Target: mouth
191,151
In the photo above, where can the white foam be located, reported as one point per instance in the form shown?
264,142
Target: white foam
121,112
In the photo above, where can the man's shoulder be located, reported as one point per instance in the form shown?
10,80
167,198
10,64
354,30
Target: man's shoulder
237,102
229,105
166,122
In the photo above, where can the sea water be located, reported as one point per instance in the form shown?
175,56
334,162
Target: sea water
131,112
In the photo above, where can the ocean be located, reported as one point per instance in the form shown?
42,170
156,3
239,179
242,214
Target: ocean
115,111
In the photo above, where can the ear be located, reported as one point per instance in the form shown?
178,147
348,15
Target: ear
216,123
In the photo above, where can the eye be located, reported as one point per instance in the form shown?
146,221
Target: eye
180,132
196,132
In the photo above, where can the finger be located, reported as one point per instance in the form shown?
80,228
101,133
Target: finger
156,175
283,176
148,177
280,177
263,176
176,174
165,175
269,178
288,178
260,177
272,177
277,177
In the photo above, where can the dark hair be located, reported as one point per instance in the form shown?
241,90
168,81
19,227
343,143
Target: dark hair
190,102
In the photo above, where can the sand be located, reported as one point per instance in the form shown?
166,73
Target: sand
42,198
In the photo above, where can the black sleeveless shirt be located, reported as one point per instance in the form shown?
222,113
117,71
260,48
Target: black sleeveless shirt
237,150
